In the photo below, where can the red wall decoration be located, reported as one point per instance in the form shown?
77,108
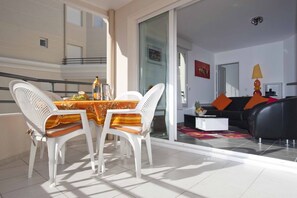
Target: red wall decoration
202,69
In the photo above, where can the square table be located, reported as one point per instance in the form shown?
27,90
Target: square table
206,122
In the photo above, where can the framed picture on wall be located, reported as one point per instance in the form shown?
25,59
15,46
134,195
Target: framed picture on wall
154,54
202,69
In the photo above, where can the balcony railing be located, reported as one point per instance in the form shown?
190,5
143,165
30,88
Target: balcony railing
50,81
89,60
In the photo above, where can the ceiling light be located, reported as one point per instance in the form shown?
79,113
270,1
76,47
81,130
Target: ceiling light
256,20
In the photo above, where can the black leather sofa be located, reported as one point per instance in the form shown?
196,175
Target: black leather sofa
277,120
234,111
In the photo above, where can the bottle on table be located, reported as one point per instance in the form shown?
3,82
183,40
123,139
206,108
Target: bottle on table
96,89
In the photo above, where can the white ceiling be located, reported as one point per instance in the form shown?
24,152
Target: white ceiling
109,4
221,25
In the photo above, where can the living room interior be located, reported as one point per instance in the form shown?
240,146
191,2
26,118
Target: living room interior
225,40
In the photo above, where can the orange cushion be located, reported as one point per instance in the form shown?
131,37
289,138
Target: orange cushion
63,129
256,99
133,130
221,102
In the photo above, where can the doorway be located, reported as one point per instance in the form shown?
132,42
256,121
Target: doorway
153,62
228,79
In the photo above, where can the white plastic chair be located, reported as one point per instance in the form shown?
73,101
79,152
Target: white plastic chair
53,96
37,108
146,108
129,95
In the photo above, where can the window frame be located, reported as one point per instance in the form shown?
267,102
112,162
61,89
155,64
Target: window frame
183,51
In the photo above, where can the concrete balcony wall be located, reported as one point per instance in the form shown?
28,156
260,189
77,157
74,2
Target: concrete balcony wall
14,140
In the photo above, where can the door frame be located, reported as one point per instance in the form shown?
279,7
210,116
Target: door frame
217,79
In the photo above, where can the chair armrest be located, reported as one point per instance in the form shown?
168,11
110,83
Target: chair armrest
123,111
68,112
111,112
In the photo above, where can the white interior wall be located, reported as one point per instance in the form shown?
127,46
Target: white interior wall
232,79
269,56
199,89
290,65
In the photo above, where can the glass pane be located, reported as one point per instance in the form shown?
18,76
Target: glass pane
182,81
153,56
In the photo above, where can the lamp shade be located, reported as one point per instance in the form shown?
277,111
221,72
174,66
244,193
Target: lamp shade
257,72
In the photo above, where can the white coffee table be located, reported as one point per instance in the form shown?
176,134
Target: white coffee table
212,123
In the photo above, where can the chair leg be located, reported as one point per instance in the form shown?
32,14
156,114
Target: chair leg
98,132
62,153
149,148
287,142
136,145
42,150
101,166
91,150
56,159
32,157
122,147
125,148
51,160
115,141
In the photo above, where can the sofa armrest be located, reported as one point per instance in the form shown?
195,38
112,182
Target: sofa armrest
252,112
274,120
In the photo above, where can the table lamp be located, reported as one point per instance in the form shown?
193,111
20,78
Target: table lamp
257,84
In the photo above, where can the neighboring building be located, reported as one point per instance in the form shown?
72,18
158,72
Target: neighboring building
48,31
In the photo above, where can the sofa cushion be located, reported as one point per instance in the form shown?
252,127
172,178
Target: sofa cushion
221,102
216,112
232,115
256,99
271,100
238,103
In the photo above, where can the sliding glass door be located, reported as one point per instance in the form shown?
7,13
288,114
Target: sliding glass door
153,63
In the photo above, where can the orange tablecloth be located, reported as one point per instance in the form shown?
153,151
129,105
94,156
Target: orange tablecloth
96,110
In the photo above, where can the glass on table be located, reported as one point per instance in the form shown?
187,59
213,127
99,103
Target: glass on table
107,92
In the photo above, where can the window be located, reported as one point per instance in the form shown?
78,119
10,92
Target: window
43,42
74,16
98,22
182,76
74,51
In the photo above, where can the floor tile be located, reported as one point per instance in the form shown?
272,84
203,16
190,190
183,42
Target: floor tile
156,188
273,184
230,181
18,182
98,189
34,191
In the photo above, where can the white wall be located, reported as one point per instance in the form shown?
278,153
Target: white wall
24,22
126,40
290,65
232,80
199,89
269,56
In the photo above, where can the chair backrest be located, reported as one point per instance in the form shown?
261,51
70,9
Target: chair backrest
129,95
53,96
148,105
34,104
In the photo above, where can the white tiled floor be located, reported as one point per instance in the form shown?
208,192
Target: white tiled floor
174,174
